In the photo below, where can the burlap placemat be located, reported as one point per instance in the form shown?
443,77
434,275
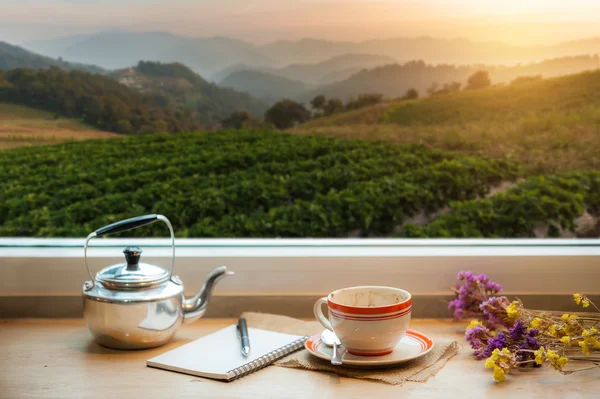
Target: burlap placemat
418,370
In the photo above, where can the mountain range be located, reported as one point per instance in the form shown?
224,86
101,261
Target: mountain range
265,86
172,87
395,79
16,57
209,55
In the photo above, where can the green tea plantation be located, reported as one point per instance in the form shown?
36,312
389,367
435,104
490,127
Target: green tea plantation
269,184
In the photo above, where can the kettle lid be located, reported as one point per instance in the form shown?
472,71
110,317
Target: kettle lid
132,273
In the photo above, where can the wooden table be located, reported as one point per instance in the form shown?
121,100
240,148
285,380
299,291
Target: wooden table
58,359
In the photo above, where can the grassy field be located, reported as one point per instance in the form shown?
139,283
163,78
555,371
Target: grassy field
550,126
23,126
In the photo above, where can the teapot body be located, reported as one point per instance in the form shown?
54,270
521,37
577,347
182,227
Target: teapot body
133,319
135,305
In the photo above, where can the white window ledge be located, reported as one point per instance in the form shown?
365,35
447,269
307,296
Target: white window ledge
40,267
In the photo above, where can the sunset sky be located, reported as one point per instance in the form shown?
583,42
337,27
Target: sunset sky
260,21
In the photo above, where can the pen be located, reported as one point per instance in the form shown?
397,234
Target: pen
243,334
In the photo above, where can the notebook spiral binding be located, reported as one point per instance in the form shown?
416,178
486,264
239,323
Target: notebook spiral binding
267,359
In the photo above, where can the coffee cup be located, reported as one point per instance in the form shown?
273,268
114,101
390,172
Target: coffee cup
368,320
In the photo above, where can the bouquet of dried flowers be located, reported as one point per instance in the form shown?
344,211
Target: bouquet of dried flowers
510,336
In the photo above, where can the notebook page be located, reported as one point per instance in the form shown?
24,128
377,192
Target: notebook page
216,354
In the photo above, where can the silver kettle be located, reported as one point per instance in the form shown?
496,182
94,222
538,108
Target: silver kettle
135,305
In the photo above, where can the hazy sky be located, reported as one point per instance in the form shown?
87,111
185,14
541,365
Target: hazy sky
514,21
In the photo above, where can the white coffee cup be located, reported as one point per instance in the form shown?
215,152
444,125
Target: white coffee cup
368,320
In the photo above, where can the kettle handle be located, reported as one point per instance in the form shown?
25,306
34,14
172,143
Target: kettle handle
124,225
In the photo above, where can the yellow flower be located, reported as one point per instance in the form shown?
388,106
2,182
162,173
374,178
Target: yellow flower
473,324
512,310
581,300
584,347
535,323
565,340
557,362
499,374
585,302
589,340
565,317
540,355
552,330
500,361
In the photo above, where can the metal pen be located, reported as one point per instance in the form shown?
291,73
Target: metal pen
242,328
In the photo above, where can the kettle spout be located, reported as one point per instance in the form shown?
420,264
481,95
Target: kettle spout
195,307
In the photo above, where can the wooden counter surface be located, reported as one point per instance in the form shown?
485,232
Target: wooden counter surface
41,358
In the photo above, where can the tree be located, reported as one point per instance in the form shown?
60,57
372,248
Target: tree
318,102
411,94
286,113
479,80
334,105
433,89
364,100
239,120
447,88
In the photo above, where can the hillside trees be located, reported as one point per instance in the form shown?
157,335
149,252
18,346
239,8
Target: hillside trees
286,113
411,94
447,88
98,100
479,80
327,107
239,120
318,102
364,100
333,106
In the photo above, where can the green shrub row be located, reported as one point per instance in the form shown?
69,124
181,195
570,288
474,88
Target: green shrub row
554,200
235,184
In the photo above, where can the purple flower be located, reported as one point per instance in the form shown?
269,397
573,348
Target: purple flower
497,342
478,337
517,331
492,287
471,292
463,275
494,310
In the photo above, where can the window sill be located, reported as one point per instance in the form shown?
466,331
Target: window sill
30,266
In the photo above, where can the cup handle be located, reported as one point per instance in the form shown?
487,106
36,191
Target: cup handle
318,311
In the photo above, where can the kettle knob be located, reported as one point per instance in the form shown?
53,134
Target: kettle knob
132,255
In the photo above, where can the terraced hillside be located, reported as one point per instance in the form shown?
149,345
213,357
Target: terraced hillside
551,125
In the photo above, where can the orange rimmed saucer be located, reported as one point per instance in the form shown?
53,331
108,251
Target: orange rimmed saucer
412,346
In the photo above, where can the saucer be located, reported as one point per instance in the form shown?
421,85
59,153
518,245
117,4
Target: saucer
412,346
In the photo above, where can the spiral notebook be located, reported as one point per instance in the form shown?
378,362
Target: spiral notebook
218,355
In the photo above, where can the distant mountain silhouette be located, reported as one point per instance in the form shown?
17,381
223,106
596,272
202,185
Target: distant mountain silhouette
115,50
431,50
209,55
264,85
394,80
333,69
328,71
12,57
